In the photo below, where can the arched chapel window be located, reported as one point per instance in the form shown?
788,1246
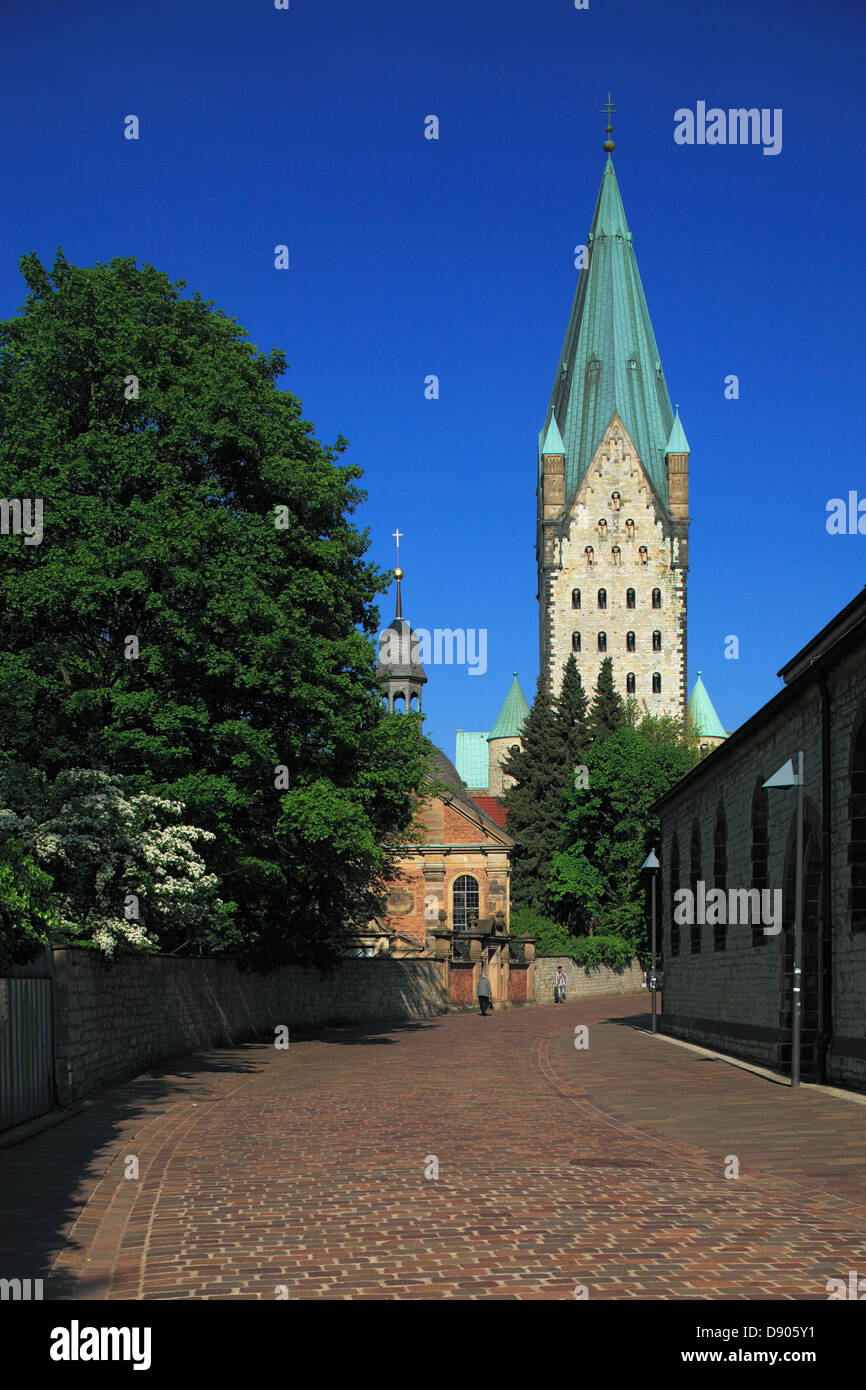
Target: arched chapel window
630,642
629,683
657,641
657,598
657,683
629,598
602,641
465,902
602,598
575,598
575,641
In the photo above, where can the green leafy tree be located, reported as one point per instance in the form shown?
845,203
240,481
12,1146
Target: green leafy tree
27,912
534,802
608,711
596,880
197,613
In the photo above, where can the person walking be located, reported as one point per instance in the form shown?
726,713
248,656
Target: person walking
560,985
485,995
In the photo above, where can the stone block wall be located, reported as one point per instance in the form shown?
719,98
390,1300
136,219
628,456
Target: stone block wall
113,1021
582,984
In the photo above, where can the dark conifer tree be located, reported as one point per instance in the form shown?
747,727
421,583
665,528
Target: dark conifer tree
571,719
534,801
608,707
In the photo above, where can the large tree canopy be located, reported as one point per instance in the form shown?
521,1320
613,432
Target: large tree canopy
197,616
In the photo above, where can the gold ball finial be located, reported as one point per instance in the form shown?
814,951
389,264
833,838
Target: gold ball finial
609,145
398,573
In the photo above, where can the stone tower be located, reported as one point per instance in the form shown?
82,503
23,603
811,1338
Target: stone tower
505,735
399,670
613,485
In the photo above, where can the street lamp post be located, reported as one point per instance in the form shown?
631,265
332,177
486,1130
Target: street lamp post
652,863
787,777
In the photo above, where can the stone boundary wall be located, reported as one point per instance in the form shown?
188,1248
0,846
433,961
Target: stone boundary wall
600,979
113,1021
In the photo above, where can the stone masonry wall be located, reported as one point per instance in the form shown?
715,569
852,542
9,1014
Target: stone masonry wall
111,1022
600,979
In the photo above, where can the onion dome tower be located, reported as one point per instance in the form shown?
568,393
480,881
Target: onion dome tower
399,671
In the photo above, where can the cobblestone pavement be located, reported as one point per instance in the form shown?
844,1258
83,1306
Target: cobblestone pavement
301,1173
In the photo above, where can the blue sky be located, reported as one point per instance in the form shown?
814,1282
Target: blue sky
410,256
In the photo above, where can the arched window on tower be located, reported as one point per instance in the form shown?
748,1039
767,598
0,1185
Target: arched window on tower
629,598
575,598
642,554
629,683
657,683
657,641
616,554
587,550
602,598
629,529
575,641
657,598
630,642
857,843
602,641
602,528
615,501
465,902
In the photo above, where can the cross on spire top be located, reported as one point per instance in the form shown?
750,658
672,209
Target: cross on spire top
609,109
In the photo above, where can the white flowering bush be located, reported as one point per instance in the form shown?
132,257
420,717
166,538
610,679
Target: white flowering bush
125,873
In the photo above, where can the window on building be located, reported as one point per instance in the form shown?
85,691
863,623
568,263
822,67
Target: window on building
615,501
465,902
602,641
673,887
575,598
657,598
575,641
720,875
695,877
629,598
602,528
630,642
657,683
587,550
629,529
615,554
857,845
643,556
629,683
602,598
657,641
760,853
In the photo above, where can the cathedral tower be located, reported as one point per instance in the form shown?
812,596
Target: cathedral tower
613,485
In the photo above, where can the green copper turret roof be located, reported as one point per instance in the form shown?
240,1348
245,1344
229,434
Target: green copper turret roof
677,444
702,715
513,714
610,361
553,443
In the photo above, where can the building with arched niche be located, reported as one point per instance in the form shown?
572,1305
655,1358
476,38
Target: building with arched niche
452,897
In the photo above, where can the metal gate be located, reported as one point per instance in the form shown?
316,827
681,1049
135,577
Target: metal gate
26,1046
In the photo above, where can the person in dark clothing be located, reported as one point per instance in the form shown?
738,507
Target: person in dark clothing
485,996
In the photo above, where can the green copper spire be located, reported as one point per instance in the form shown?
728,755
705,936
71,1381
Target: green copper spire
677,444
702,715
553,443
513,714
610,361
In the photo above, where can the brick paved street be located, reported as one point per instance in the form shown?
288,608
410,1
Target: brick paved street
557,1168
